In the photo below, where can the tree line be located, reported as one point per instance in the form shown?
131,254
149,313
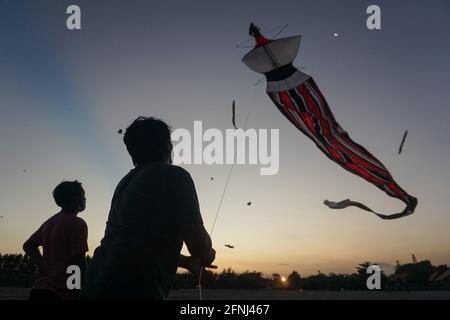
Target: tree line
17,270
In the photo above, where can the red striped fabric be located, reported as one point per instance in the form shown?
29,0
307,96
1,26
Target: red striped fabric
307,109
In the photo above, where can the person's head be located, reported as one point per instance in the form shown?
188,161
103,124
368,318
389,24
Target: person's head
70,196
148,140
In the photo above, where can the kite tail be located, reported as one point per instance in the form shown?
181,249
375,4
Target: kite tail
410,206
306,108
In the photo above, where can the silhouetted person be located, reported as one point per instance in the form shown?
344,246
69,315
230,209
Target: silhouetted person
154,209
64,241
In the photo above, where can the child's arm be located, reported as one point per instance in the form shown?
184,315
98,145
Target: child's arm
31,247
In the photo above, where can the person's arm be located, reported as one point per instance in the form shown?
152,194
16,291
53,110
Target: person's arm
199,246
32,250
198,242
31,247
186,212
79,246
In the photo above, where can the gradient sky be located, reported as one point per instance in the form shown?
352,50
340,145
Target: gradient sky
64,94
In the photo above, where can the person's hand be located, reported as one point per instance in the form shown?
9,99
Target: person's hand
194,265
211,258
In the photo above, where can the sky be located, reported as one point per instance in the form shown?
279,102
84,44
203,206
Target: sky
64,94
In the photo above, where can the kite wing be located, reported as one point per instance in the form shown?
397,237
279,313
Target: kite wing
299,99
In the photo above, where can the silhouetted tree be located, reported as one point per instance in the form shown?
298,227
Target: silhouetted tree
17,270
294,281
417,274
276,277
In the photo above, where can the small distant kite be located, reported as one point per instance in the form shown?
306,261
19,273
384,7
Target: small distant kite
249,203
234,114
403,142
24,171
212,178
229,246
120,131
300,100
336,34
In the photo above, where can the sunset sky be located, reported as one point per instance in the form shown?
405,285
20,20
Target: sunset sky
64,94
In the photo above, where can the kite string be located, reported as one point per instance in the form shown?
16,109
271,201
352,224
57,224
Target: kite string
212,228
223,196
221,199
279,32
231,169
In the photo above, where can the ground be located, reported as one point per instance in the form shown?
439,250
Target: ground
22,293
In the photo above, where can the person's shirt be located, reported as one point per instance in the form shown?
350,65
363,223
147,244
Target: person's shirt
138,256
62,237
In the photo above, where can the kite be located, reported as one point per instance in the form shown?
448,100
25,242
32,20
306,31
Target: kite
403,142
249,203
229,246
299,99
234,114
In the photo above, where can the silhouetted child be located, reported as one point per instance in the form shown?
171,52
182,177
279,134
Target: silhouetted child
153,210
64,241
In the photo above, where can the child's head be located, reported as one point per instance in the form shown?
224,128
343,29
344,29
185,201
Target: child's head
70,196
